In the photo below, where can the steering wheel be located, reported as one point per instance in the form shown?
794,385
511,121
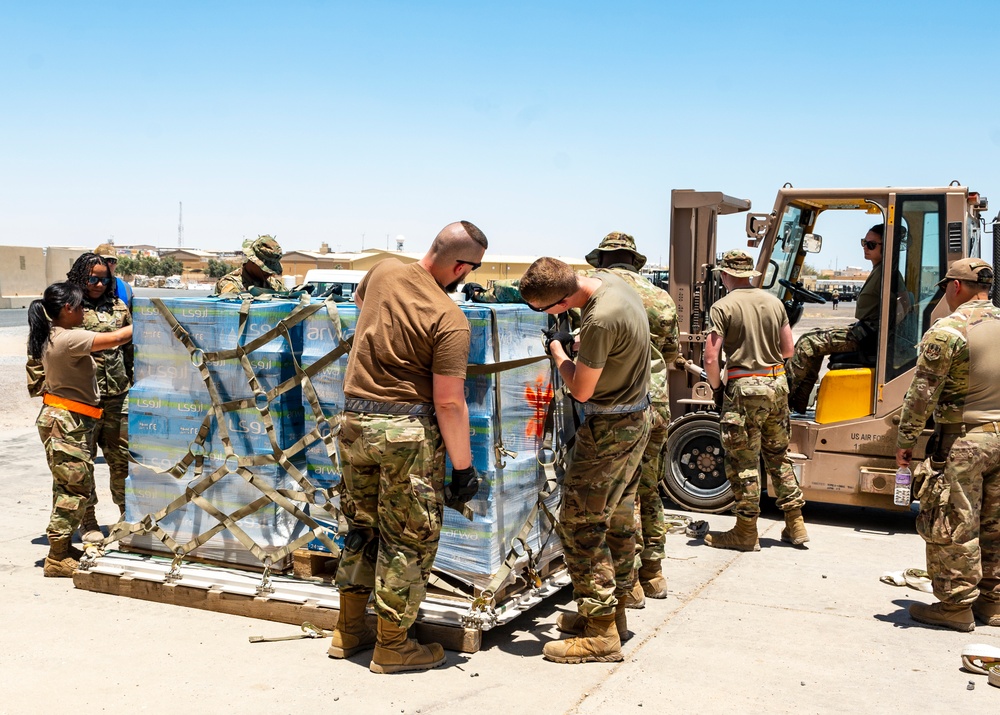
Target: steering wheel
801,294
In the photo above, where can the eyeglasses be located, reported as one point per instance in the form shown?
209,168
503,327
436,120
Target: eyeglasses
548,307
110,261
94,280
475,266
870,245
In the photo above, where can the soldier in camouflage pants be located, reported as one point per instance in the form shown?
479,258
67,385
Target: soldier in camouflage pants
401,457
957,379
68,438
754,424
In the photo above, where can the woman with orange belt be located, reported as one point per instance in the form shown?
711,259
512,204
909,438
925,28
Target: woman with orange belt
69,413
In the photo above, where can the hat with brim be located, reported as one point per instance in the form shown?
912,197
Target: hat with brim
970,270
106,250
616,241
265,252
737,263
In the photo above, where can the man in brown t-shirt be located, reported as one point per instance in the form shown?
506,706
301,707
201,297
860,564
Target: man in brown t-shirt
404,408
752,327
610,377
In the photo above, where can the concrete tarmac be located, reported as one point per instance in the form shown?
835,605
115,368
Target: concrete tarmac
785,630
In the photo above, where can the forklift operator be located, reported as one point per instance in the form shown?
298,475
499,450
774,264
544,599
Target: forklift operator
862,336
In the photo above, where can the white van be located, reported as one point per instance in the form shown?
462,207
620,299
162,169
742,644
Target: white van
173,282
326,280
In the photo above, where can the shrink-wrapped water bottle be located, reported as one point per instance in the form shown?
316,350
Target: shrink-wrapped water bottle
901,495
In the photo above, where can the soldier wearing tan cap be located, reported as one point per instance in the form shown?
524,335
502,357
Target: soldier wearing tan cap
261,268
957,379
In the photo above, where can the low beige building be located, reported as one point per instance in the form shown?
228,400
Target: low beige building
59,259
23,276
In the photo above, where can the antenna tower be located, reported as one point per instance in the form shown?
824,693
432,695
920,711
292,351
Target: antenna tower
180,225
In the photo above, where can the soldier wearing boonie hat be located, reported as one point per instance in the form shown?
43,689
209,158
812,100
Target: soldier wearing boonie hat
957,379
261,268
617,253
751,326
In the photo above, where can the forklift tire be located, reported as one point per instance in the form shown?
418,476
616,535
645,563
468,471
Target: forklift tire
694,476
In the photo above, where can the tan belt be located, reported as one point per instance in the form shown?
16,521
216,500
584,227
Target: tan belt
773,371
965,427
65,403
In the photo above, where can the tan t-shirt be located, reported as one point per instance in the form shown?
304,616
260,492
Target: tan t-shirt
408,330
750,321
614,335
70,370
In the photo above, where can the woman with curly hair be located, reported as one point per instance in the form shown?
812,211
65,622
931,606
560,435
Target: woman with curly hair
103,312
70,411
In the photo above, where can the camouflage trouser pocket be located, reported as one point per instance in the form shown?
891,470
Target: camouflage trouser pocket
934,494
70,464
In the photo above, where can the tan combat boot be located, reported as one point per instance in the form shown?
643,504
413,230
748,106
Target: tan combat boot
395,653
742,537
795,528
987,611
957,618
634,598
90,530
651,578
574,624
59,562
598,644
352,633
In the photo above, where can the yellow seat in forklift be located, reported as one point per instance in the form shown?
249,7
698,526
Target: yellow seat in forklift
845,395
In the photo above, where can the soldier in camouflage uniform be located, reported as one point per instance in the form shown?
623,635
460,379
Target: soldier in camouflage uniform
404,409
69,413
814,345
261,269
957,380
617,253
610,376
752,327
103,312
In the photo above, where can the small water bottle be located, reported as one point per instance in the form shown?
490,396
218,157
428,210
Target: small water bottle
901,495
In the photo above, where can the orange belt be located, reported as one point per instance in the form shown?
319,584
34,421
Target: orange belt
775,371
72,405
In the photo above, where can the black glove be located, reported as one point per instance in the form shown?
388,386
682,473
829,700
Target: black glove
471,289
463,486
560,336
719,394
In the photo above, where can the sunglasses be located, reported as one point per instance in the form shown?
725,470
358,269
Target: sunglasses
870,245
548,307
475,266
94,280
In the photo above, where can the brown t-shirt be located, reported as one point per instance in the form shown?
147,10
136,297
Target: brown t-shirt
408,330
70,371
750,321
614,335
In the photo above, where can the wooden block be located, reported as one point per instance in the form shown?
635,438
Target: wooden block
314,565
462,640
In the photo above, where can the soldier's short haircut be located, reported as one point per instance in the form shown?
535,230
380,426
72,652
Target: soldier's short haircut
475,234
455,243
547,280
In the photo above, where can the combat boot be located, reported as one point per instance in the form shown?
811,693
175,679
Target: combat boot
395,653
987,611
352,633
742,537
59,562
90,530
574,624
795,528
634,598
957,618
651,578
598,644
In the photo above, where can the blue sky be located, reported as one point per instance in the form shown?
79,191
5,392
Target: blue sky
546,124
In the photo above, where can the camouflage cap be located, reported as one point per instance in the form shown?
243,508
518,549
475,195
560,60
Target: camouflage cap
616,241
265,252
106,250
972,270
737,263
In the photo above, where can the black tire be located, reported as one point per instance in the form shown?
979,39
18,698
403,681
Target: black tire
694,477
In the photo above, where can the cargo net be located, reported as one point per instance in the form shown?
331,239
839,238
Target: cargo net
249,466
517,517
